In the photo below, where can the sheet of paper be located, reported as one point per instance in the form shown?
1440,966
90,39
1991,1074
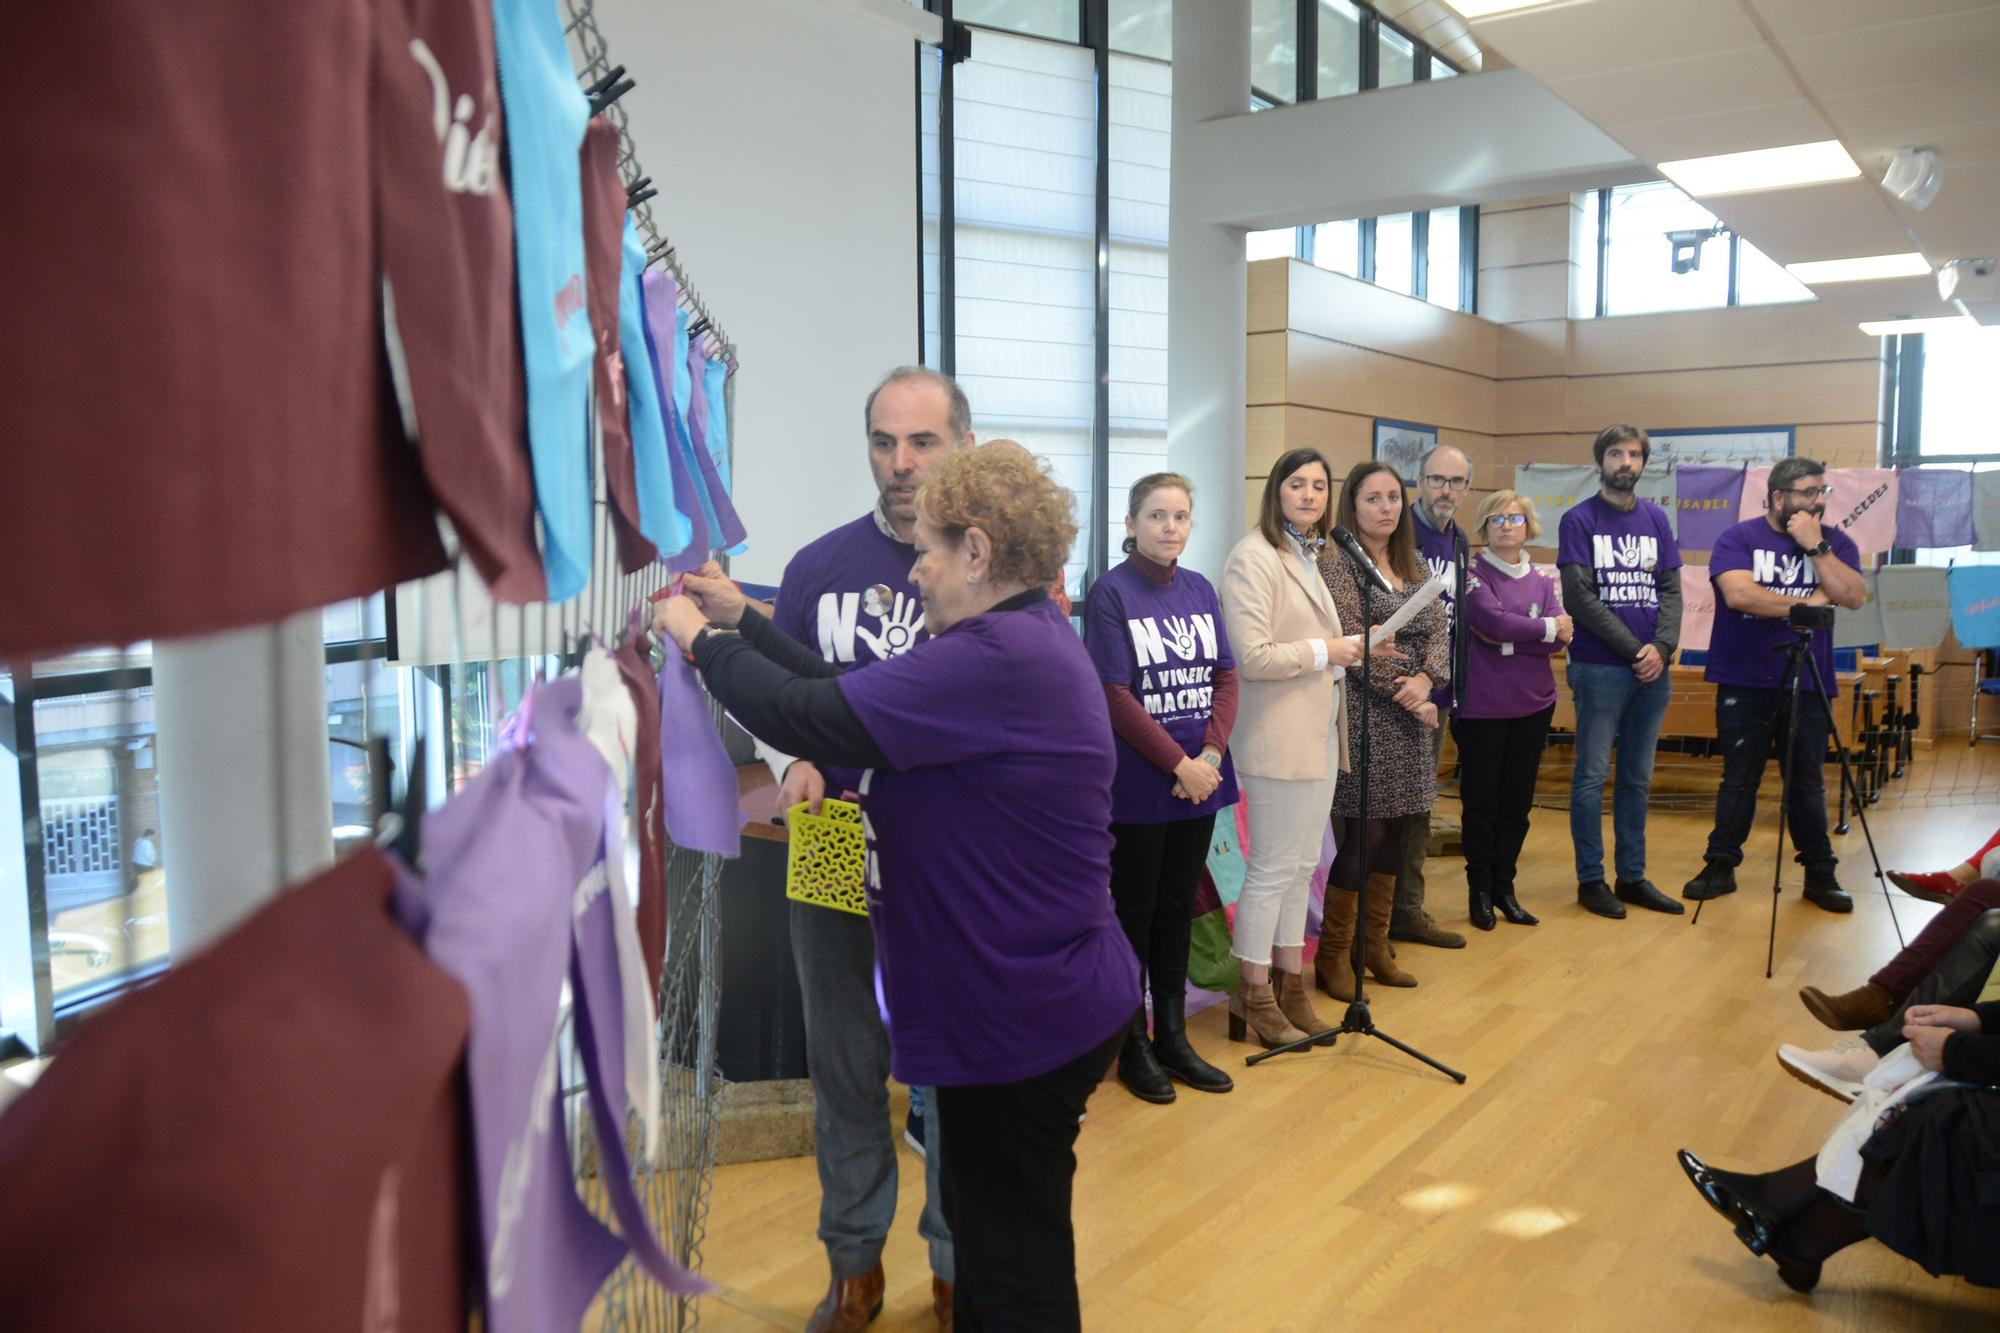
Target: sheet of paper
1424,596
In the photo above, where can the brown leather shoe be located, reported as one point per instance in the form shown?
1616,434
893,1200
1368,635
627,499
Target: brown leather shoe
1850,1011
850,1304
1421,929
941,1293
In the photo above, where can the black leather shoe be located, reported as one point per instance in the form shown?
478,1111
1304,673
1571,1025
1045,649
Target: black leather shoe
1176,1055
1644,893
1595,897
1139,1069
1716,878
1479,905
1824,891
1510,907
1752,1227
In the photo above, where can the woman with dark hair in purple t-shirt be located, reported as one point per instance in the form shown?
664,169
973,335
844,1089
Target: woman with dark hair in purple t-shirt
987,808
1155,631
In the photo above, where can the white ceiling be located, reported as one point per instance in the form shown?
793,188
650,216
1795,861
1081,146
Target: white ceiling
1673,79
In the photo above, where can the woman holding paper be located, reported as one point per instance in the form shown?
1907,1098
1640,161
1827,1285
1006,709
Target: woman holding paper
1402,781
1515,614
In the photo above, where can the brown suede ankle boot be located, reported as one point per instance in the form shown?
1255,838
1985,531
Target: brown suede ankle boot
1381,905
1332,971
1852,1010
1295,1002
1255,1008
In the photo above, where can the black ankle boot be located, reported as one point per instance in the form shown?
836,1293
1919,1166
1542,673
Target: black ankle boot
1510,907
1175,1055
1480,908
1139,1070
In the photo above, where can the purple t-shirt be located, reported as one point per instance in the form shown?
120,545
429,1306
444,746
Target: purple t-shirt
1747,650
1163,642
989,850
848,595
1628,550
1439,548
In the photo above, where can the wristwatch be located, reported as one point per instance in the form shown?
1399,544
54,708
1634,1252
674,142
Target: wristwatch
1821,549
1215,762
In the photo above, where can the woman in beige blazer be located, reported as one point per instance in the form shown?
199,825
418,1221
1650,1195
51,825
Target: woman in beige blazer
1290,740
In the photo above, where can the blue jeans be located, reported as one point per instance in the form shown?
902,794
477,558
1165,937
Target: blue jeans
1613,709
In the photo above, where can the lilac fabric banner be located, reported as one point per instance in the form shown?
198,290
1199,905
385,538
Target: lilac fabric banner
1707,501
1934,508
727,528
698,783
1986,511
659,295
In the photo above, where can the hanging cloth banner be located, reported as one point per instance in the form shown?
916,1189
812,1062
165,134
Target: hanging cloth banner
1862,503
604,229
1975,605
1986,511
1706,501
1916,605
1697,607
546,114
723,521
1862,628
660,520
699,794
1556,488
446,238
658,295
1934,508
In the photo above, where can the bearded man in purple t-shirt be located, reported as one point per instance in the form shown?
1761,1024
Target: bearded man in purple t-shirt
1762,568
1621,585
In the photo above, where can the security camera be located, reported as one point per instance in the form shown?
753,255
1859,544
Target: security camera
1913,177
1967,279
1687,246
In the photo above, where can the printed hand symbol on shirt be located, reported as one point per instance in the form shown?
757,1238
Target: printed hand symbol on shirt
1180,637
898,629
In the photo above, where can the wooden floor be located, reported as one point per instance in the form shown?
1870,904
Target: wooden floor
1353,1186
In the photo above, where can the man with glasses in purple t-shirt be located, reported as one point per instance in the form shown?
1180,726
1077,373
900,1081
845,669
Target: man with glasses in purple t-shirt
1762,568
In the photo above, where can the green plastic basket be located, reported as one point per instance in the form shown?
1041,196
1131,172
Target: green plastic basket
828,862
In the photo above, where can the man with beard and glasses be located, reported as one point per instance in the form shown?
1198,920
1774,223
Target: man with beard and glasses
1621,585
1762,568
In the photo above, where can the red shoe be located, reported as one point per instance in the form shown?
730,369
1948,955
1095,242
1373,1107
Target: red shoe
1935,886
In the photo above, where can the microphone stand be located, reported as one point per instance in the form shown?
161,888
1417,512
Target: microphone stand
1358,1021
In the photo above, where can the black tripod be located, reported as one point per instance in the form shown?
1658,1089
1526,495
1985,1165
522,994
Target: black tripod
1798,661
1357,1020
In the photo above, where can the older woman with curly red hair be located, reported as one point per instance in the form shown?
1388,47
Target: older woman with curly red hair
987,807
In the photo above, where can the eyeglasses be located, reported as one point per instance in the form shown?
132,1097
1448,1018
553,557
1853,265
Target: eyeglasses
1506,520
1809,493
1438,483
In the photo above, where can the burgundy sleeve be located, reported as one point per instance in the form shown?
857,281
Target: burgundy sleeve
1221,710
1135,726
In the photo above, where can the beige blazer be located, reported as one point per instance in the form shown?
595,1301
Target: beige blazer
1273,606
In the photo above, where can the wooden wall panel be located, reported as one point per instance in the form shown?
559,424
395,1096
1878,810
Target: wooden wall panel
1697,339
1343,309
1269,286
1343,378
1530,406
1534,348
1824,392
1266,379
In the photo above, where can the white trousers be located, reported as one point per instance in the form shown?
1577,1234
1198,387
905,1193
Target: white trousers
1288,822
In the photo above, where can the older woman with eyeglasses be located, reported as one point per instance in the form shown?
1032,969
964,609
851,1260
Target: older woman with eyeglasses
1515,616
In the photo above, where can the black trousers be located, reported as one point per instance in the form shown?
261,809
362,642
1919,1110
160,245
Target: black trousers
1155,870
1386,837
1006,1161
1498,758
1749,723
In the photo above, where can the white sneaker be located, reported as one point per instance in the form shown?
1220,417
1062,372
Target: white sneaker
1837,1071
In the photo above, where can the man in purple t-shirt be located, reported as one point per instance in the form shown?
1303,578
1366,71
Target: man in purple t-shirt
1762,568
848,597
1443,475
1621,584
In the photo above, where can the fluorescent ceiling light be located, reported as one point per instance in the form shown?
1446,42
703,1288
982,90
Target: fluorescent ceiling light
1889,328
1861,269
1762,169
1479,9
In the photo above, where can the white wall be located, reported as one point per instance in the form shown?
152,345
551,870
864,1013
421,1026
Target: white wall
781,135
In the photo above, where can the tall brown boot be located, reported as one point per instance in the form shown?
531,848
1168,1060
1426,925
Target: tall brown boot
1252,1007
1850,1011
1295,1001
1381,962
1332,970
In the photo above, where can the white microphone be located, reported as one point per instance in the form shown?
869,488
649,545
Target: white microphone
1345,540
